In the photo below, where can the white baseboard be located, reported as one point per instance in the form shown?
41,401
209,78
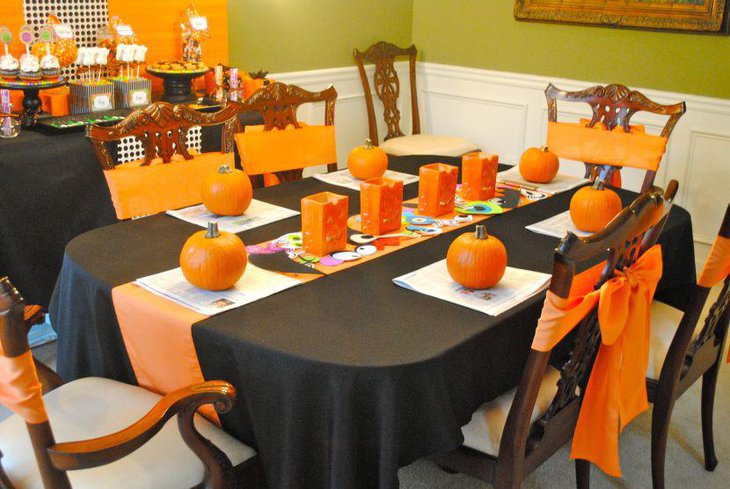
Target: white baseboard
505,113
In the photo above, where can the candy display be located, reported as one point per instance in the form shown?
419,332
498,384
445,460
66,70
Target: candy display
91,62
91,96
194,31
184,67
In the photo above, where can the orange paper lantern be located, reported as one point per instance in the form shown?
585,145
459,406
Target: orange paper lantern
381,203
324,223
478,176
436,189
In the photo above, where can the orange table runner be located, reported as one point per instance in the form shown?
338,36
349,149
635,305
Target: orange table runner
616,391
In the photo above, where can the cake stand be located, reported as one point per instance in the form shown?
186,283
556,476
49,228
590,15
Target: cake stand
178,84
31,101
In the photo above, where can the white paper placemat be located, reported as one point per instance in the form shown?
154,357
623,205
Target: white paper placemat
256,283
258,214
516,286
560,183
557,226
343,178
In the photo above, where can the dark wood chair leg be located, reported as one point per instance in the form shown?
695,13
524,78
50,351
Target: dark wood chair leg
661,417
709,382
582,473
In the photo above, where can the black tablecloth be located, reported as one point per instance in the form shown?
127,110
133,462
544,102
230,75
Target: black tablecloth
344,379
51,190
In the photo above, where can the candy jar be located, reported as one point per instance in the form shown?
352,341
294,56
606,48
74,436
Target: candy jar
9,125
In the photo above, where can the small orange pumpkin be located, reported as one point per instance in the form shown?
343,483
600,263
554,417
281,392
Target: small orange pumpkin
476,260
366,162
591,208
538,165
227,192
212,259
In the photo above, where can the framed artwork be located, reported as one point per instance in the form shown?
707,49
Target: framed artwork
706,16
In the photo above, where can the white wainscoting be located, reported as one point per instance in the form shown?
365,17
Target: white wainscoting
505,113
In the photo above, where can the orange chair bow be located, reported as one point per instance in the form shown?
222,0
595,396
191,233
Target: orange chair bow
616,391
20,389
717,266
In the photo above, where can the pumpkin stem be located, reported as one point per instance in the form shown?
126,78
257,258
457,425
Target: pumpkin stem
212,230
598,184
368,143
224,169
481,232
544,149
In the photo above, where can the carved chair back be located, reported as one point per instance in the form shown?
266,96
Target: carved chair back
614,105
162,129
526,445
387,87
278,104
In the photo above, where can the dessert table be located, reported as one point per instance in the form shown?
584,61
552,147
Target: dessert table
53,189
345,379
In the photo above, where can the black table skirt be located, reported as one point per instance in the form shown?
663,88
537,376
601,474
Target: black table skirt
344,379
52,189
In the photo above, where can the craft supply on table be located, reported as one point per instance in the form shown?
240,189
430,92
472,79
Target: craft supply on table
516,286
381,201
259,213
343,178
478,176
437,189
560,183
557,226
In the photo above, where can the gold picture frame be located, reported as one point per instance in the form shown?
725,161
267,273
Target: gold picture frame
704,16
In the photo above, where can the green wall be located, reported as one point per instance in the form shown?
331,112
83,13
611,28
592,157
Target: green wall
294,35
484,34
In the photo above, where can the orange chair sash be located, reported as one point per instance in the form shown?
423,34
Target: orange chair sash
142,190
157,334
636,149
20,389
290,149
717,266
616,391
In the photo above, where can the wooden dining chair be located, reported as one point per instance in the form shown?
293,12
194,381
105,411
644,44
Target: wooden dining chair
97,432
511,436
283,146
682,351
387,87
169,176
612,107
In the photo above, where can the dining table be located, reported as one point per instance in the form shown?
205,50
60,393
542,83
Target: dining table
342,380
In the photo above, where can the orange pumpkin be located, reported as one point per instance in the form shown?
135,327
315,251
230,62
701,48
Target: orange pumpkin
227,192
476,260
591,208
538,165
366,162
212,259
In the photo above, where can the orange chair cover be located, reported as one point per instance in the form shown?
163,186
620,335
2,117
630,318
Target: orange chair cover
158,337
142,190
290,149
20,389
717,266
636,149
616,391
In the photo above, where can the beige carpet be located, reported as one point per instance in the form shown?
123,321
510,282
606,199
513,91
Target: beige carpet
685,464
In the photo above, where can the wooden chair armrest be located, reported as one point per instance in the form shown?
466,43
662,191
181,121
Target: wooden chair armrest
183,402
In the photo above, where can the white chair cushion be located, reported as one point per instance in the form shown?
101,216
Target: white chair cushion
484,431
664,322
93,407
428,144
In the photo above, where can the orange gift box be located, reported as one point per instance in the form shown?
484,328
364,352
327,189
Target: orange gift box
54,101
478,176
436,189
381,203
324,223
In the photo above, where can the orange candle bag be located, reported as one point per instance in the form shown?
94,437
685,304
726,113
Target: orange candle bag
478,176
324,223
436,189
381,203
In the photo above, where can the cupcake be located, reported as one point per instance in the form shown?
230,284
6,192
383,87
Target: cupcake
9,67
30,68
50,67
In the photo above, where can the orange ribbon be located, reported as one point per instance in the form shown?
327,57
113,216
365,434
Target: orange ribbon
20,389
597,145
717,266
616,391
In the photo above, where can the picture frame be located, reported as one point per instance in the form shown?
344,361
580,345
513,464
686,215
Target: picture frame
697,16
